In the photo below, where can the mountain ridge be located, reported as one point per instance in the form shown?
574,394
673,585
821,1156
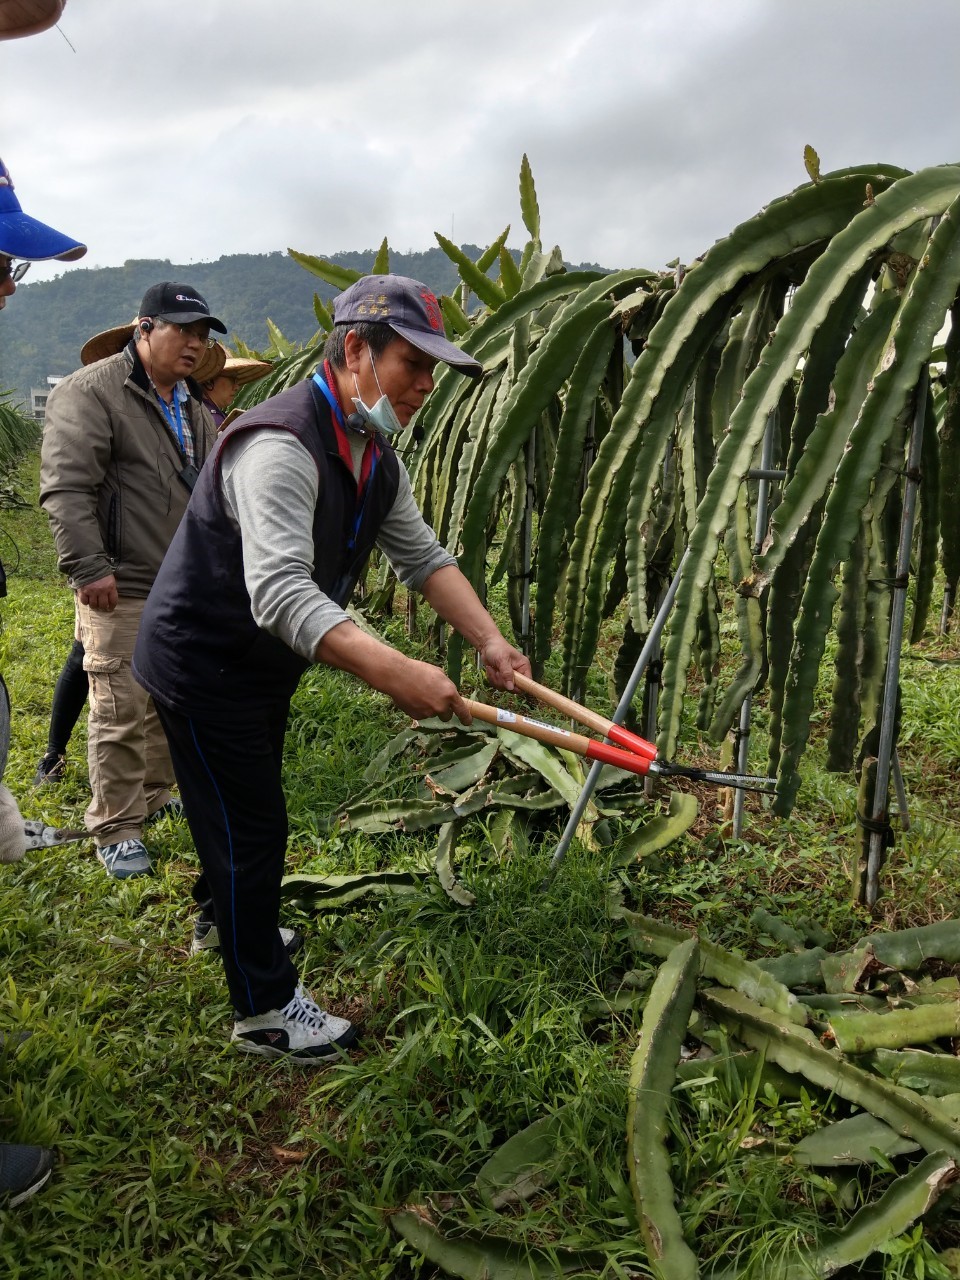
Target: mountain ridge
46,324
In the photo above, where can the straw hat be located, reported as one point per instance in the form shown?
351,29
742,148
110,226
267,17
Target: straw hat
232,416
244,370
210,364
107,343
110,341
27,17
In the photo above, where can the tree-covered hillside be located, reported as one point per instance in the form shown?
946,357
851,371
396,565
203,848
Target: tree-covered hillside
44,327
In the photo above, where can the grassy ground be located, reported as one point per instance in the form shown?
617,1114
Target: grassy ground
181,1159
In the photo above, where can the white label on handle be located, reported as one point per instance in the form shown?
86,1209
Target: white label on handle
509,717
552,727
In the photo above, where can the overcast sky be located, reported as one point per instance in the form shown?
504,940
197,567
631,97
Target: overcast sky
187,129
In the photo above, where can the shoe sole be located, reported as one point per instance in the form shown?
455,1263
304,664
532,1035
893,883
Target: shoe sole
31,1190
335,1055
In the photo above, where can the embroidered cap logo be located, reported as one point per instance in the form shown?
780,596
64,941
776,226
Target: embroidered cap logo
432,308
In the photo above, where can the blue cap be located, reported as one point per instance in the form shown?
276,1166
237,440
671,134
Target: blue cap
26,238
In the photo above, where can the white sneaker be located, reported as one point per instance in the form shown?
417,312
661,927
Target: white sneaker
300,1031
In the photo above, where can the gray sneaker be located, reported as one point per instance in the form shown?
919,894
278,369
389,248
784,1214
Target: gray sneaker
206,937
124,860
301,1032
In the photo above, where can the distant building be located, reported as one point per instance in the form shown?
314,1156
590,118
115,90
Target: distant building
38,397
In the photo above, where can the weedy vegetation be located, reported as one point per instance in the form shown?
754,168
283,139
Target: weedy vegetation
513,1020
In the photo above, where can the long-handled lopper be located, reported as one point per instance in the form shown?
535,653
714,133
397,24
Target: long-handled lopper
625,751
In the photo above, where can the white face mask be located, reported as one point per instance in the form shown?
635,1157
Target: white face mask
381,416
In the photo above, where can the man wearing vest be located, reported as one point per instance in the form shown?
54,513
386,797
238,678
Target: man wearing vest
123,443
253,589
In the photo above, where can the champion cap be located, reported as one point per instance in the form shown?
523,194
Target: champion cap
178,303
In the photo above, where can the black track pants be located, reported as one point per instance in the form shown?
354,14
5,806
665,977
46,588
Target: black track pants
228,770
69,699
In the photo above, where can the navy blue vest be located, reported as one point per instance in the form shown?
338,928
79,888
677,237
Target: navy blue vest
198,647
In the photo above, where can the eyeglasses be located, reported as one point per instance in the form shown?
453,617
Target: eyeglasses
195,330
9,271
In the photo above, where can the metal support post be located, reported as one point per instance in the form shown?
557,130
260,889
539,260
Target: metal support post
623,706
888,712
527,544
766,475
652,691
947,610
900,791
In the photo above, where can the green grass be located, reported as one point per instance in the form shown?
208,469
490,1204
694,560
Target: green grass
181,1159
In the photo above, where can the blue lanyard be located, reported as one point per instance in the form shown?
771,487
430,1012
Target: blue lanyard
176,425
374,457
331,399
369,485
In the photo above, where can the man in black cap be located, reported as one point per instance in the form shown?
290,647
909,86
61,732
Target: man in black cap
123,444
253,590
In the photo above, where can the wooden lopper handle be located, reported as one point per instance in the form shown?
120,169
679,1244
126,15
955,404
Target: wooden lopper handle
562,738
600,724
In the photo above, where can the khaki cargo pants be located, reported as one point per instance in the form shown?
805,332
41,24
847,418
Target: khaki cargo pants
130,770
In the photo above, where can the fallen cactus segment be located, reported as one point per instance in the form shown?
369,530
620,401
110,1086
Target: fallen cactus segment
906,951
797,1049
433,775
906,1200
895,1029
652,1076
858,1139
717,964
906,1100
475,1256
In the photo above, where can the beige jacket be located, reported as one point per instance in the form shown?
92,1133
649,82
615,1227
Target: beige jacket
110,472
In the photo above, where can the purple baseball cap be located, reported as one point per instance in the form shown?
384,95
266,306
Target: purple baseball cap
24,237
411,311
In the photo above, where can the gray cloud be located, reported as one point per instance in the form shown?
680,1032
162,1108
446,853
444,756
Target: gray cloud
185,131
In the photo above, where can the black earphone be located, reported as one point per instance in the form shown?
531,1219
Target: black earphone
146,326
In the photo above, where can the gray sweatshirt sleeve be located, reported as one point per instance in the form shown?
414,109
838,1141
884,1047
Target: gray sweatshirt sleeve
270,488
407,540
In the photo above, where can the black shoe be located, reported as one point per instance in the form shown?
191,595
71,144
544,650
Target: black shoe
17,1038
23,1171
172,809
51,769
